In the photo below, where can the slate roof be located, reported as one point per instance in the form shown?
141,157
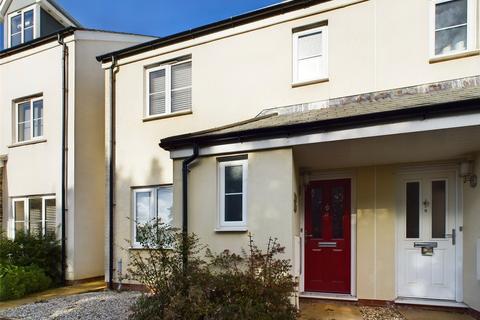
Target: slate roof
356,109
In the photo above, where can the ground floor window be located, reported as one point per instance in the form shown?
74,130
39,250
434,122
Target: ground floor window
149,205
233,191
34,215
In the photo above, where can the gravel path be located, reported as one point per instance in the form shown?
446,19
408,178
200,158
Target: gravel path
96,305
380,313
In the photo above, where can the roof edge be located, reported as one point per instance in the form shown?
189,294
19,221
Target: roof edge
251,16
423,112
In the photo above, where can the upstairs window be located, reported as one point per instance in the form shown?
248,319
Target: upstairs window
169,89
233,194
310,61
29,119
21,26
453,30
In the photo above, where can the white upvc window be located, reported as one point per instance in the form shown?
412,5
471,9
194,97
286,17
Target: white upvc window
150,205
233,195
34,215
169,89
310,55
22,25
29,119
453,26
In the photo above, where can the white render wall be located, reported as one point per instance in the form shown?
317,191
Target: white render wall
35,169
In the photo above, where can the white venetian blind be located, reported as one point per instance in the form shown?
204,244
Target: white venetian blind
310,60
157,92
50,216
181,87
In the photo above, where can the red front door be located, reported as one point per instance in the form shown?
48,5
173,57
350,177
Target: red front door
327,236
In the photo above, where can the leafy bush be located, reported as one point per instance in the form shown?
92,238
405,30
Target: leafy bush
15,281
28,249
253,285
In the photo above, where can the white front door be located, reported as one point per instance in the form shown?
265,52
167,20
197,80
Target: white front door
426,235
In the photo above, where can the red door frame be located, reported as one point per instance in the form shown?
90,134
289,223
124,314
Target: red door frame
328,269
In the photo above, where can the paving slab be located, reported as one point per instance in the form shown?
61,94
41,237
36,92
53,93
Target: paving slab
91,286
329,311
413,313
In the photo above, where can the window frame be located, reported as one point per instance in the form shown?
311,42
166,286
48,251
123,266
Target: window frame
471,29
26,212
295,36
21,12
232,225
153,205
31,102
168,89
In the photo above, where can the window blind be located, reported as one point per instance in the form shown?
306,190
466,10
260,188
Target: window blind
181,87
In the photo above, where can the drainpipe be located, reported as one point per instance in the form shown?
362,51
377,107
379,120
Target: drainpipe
111,180
64,151
185,171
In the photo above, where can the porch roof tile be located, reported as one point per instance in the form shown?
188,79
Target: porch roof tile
380,102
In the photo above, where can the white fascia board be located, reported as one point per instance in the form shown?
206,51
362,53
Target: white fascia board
4,4
64,19
404,127
110,36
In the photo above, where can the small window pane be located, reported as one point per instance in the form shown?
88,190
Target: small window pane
181,99
16,24
451,40
317,205
143,207
28,19
19,208
233,208
413,209
157,103
311,68
38,118
310,45
50,216
16,39
28,35
234,179
35,216
157,81
338,210
24,121
164,206
181,75
439,209
451,13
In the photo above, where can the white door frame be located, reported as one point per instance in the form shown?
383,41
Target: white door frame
322,176
436,168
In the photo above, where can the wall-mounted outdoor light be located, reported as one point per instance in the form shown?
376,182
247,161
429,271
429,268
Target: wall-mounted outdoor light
466,172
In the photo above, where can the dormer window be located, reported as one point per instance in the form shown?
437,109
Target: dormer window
22,26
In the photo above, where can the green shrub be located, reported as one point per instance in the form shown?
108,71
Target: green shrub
253,285
27,250
15,281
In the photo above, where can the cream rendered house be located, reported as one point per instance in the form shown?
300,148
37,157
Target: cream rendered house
348,129
52,129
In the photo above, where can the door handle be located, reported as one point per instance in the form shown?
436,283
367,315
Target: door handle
452,235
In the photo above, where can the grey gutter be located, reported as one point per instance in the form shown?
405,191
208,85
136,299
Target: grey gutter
264,13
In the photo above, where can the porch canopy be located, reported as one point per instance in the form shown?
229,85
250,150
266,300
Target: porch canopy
419,123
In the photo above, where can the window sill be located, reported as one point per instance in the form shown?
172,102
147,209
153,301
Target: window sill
140,248
26,143
231,229
453,56
169,115
306,83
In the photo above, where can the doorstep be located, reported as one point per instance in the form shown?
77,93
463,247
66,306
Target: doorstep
431,303
327,296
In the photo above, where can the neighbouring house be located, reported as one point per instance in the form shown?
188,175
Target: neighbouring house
347,129
52,164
